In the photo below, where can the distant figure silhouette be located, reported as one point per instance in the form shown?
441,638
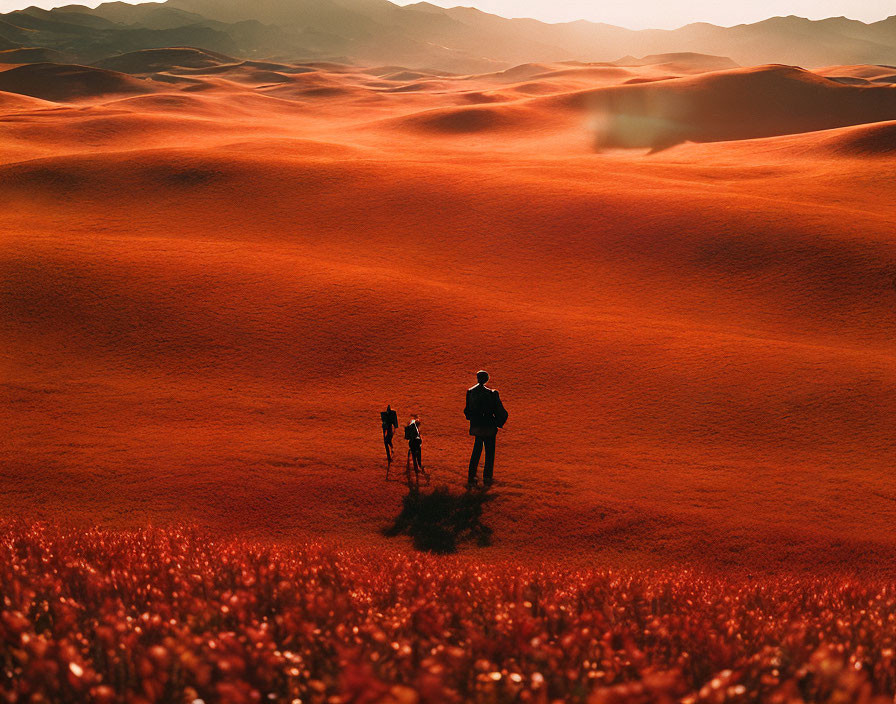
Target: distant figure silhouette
415,453
390,424
486,414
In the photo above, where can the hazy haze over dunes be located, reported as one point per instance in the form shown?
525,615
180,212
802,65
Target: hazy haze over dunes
422,35
659,14
647,14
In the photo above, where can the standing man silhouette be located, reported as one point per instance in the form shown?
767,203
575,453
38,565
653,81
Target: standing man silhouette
486,414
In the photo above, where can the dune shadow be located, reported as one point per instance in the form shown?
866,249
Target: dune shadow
439,521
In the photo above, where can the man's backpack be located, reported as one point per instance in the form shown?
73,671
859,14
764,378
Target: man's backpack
411,432
389,418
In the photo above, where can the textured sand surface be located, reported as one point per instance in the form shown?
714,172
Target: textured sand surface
214,277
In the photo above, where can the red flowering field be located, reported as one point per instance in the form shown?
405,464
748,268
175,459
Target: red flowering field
174,615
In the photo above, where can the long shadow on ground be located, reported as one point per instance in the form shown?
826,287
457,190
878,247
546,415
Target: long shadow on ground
438,521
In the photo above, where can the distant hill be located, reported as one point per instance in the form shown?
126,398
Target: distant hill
87,36
57,82
459,39
33,55
149,60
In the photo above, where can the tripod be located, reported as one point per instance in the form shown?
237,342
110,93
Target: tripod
415,457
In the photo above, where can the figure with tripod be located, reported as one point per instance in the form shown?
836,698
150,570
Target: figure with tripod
415,456
390,425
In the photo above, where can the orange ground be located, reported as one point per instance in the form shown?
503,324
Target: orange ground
211,288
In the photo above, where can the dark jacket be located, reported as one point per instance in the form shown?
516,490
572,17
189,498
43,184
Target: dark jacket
485,411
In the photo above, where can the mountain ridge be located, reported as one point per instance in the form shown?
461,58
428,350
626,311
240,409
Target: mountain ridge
456,39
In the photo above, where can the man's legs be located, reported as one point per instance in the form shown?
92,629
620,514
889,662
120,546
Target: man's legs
474,460
489,467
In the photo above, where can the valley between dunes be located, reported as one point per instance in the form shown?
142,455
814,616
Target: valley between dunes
680,274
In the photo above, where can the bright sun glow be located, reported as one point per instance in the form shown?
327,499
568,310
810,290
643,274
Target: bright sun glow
666,15
646,14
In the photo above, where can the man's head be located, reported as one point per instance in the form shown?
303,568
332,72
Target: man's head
482,376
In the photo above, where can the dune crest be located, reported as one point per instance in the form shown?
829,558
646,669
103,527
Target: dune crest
865,141
150,60
470,120
64,82
726,105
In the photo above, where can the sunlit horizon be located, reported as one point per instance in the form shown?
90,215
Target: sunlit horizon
647,14
660,14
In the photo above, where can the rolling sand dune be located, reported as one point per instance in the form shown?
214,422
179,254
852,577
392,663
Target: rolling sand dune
185,82
536,88
470,120
253,76
593,73
319,84
860,75
868,73
62,82
406,76
682,62
647,79
522,72
480,97
208,297
29,55
179,103
864,141
417,86
14,102
150,60
116,131
714,107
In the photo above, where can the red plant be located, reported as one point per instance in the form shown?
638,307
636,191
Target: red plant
177,616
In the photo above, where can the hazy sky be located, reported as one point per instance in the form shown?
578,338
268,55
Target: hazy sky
637,14
667,14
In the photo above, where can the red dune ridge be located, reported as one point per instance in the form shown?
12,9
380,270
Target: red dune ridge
679,273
